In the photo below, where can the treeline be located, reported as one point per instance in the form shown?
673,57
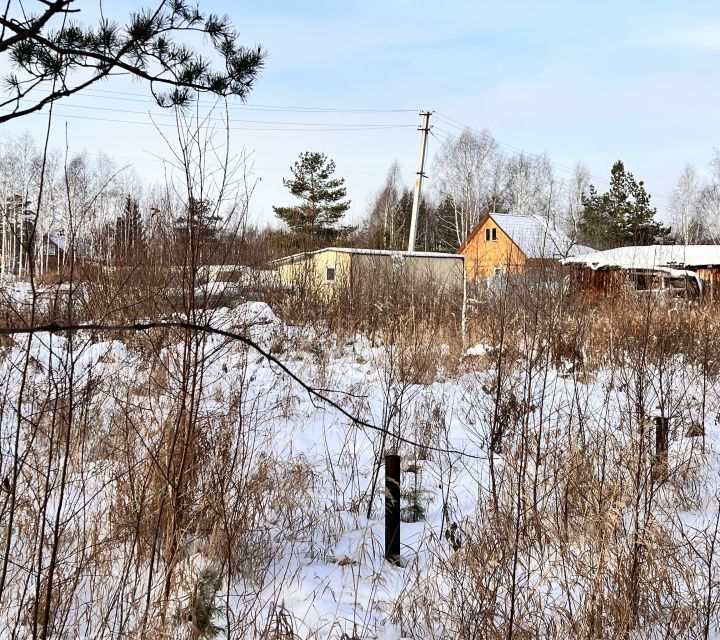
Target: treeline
102,211
469,176
472,174
52,204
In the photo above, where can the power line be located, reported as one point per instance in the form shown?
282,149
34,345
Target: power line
330,127
135,97
147,99
298,126
217,119
459,125
446,134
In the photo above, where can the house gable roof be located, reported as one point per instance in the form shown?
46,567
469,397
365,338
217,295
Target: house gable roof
473,233
58,240
533,235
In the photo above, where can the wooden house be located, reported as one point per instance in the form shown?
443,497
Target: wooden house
504,243
692,270
52,252
49,254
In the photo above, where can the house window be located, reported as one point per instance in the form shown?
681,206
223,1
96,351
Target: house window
491,234
499,271
330,274
51,249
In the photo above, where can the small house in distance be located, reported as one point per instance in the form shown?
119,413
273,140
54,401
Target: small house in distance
53,251
49,254
373,274
504,243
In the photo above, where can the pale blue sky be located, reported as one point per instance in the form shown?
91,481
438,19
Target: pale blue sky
584,82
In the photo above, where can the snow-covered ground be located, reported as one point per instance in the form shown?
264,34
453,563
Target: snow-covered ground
522,541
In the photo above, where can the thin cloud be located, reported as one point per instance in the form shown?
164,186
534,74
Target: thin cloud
705,38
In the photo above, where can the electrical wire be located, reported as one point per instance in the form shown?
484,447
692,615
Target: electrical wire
329,126
217,119
136,97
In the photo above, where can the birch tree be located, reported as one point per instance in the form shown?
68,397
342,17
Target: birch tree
685,204
710,195
466,168
530,186
572,199
384,223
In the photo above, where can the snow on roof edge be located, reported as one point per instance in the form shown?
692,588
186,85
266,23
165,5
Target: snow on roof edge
374,252
650,257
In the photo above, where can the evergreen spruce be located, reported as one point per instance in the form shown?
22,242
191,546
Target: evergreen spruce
321,197
204,607
199,224
622,216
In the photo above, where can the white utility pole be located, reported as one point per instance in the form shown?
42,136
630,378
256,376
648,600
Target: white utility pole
424,130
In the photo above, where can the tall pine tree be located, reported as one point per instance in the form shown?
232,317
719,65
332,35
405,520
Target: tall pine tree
321,197
622,216
199,223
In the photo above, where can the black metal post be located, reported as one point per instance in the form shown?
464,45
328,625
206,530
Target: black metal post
392,508
662,444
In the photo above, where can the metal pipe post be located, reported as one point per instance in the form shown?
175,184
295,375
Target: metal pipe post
392,508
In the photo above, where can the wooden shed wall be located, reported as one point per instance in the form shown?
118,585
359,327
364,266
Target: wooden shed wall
710,277
599,283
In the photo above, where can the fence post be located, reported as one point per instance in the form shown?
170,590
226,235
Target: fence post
392,508
662,444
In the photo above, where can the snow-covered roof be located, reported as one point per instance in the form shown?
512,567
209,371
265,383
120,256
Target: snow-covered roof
372,252
650,257
83,249
536,237
58,240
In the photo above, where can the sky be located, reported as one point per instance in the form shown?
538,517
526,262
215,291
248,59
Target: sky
584,82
